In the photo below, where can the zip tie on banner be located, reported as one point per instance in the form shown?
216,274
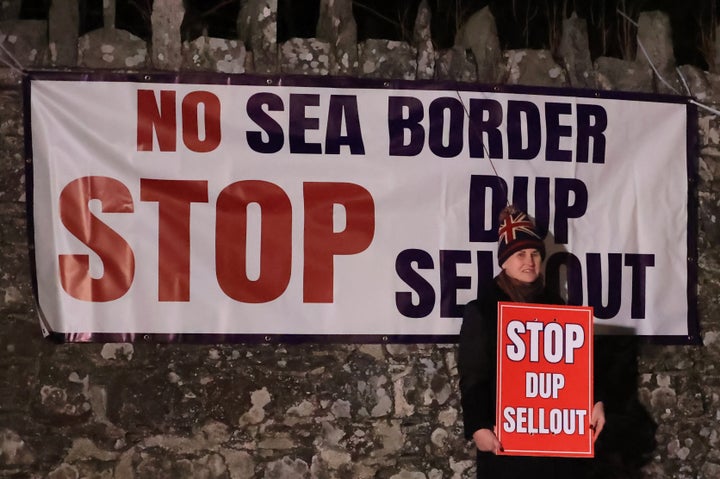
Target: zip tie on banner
708,108
692,99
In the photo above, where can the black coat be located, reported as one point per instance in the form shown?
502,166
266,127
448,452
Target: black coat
477,365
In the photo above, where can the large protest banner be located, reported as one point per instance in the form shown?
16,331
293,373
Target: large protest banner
233,207
545,380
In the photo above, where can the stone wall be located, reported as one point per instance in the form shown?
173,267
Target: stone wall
307,410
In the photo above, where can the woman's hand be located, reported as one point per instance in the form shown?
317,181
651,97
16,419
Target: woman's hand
597,419
486,440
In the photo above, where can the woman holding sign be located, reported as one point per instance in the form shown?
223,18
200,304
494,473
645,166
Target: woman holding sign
520,255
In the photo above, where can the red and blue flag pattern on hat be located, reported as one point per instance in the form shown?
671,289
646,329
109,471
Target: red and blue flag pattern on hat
517,231
514,224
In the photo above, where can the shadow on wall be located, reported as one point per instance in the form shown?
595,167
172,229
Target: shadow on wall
628,440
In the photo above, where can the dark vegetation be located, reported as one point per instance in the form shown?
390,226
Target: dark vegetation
520,23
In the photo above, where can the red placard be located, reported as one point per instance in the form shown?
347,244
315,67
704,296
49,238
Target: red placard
545,380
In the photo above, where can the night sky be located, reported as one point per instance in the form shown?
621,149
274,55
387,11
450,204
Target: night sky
521,23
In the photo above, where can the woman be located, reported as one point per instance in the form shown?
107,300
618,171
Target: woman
520,255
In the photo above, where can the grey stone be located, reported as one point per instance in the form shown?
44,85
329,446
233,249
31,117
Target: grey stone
655,34
409,475
25,42
387,59
10,10
14,450
117,351
63,28
709,470
714,61
574,49
109,9
10,74
479,34
621,75
83,449
111,48
457,64
698,84
167,16
257,24
12,166
533,67
240,464
655,48
301,56
287,468
215,55
336,25
422,39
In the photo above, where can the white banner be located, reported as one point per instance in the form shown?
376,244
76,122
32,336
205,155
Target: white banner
360,209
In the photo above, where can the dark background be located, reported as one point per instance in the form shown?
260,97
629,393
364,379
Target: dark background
521,23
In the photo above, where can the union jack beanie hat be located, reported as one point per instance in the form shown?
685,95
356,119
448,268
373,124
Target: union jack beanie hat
517,231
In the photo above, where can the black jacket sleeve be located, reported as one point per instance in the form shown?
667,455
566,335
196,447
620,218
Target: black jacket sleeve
477,368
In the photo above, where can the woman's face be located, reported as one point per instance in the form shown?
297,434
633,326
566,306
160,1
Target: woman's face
523,265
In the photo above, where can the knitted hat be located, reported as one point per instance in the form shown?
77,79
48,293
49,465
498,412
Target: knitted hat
517,231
